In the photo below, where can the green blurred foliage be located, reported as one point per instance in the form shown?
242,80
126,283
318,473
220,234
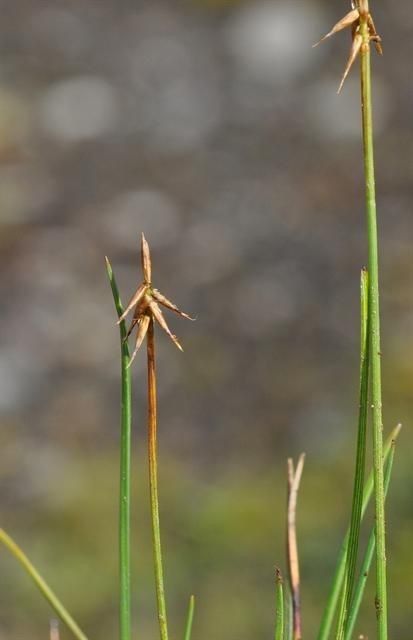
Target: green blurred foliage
221,542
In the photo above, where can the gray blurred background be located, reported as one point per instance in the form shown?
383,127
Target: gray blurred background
215,128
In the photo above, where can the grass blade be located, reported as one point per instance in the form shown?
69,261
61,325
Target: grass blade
41,584
331,607
368,558
279,606
355,522
189,618
125,472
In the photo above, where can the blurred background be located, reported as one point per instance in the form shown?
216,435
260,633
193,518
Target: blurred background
215,128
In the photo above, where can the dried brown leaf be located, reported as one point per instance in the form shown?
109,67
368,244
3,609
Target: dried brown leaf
143,325
345,22
146,261
355,49
158,315
136,298
159,297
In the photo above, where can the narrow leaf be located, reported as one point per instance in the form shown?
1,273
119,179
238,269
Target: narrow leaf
279,606
368,558
331,606
190,618
355,522
41,584
125,471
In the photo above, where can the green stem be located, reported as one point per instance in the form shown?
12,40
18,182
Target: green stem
355,523
125,472
331,606
190,618
368,558
44,588
279,604
374,321
153,482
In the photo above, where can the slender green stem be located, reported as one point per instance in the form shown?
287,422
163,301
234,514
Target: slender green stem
368,558
279,606
125,473
355,523
190,618
153,482
331,606
43,587
374,321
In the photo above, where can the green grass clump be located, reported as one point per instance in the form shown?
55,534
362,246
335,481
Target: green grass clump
348,586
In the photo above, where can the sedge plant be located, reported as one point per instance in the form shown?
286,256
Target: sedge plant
145,304
343,603
364,32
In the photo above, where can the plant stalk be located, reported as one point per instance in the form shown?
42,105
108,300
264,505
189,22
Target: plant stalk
338,579
374,322
153,482
41,584
294,479
125,472
368,558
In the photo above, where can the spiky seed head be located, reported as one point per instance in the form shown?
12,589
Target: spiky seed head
145,304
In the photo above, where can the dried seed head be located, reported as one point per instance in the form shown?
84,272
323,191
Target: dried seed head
145,302
358,15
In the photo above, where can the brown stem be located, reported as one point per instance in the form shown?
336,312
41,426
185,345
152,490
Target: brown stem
153,482
294,478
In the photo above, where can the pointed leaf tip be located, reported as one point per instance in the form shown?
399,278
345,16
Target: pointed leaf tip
109,269
146,260
355,49
345,22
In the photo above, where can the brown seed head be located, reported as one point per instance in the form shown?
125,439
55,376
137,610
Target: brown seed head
145,302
